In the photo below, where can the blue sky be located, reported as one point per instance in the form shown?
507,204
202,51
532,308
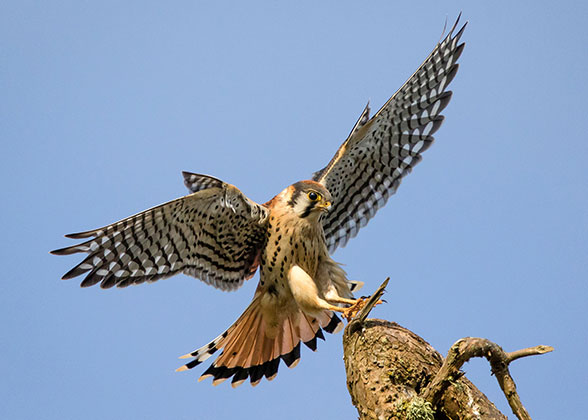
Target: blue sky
104,103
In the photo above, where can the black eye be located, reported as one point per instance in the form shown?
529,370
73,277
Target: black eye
313,196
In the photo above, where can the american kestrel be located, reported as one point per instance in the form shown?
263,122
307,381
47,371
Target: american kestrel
221,237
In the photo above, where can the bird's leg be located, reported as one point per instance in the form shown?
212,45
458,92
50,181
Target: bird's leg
349,312
339,299
307,297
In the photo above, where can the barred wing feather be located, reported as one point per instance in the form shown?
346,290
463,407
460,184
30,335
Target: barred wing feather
381,150
215,235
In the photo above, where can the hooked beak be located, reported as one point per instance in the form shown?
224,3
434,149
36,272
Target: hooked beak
324,206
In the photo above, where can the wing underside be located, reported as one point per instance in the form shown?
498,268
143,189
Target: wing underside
369,166
215,234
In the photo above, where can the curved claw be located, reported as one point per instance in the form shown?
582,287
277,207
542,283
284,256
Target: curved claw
352,311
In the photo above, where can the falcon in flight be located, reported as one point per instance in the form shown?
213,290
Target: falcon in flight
221,237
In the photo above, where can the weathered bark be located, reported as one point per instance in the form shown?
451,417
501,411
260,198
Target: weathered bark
389,367
392,373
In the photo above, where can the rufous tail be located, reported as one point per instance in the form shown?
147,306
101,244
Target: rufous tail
249,351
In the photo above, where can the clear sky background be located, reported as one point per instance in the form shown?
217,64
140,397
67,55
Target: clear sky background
104,103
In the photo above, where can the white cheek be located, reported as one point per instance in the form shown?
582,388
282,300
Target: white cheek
300,207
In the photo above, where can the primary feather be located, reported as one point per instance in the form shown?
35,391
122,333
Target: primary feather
220,236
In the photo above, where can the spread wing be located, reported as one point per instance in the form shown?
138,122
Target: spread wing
380,151
215,234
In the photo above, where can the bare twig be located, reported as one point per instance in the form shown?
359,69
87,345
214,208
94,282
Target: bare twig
531,351
372,301
466,348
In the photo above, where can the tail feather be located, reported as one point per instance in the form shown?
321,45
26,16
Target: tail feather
316,332
246,350
291,353
225,371
257,355
271,369
239,335
237,352
293,357
251,350
307,331
334,326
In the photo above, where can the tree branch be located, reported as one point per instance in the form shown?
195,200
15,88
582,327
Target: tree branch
394,374
466,348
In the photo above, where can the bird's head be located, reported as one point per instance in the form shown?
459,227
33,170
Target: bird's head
308,199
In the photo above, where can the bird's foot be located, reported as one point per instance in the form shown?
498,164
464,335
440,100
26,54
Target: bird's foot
350,312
